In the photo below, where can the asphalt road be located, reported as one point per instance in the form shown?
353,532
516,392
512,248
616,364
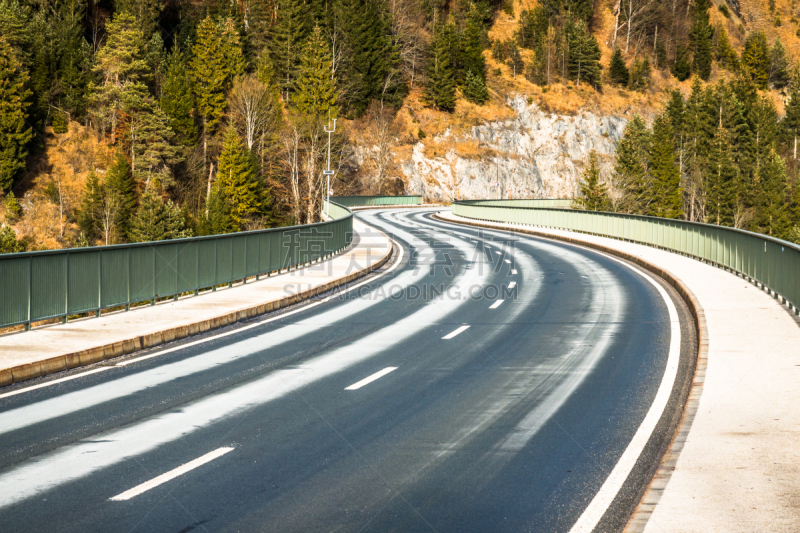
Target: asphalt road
372,410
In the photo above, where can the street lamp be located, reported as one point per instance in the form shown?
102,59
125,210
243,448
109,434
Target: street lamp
328,172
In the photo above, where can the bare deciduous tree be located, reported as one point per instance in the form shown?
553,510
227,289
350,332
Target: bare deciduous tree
292,139
254,108
380,133
409,36
107,216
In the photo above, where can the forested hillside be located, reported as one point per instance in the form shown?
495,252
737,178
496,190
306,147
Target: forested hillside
142,120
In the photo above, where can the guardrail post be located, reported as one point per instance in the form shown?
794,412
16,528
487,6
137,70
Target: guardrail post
214,288
128,305
66,291
30,293
155,294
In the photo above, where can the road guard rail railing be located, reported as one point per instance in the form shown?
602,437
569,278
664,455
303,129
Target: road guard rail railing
36,286
773,263
541,202
366,201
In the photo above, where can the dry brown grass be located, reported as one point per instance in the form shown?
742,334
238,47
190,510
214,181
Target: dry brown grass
46,222
756,16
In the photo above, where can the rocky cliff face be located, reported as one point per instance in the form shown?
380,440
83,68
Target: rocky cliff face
535,155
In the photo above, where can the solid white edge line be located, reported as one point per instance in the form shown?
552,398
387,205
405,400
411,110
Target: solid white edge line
172,474
608,491
452,334
54,382
369,379
605,496
496,304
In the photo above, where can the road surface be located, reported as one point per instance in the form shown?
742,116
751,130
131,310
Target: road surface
478,382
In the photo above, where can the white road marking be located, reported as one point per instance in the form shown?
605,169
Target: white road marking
172,474
54,382
514,271
507,260
496,304
79,460
369,379
605,496
512,285
462,329
499,253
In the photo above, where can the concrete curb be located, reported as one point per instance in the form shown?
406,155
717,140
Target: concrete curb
96,354
652,494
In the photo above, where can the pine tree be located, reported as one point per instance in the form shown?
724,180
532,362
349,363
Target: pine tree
90,206
700,120
762,119
618,69
8,241
682,68
720,181
755,59
232,50
315,94
676,109
580,9
237,180
700,40
217,218
475,89
515,63
151,147
15,28
42,69
74,63
157,220
374,57
177,99
146,12
440,89
156,57
631,168
118,190
15,134
640,75
724,53
123,72
778,66
208,71
789,127
584,55
771,209
472,59
594,194
667,193
13,209
286,40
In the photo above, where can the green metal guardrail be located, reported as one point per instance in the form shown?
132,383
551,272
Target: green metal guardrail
44,285
771,262
365,201
539,202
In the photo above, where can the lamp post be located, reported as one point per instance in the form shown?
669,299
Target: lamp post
328,172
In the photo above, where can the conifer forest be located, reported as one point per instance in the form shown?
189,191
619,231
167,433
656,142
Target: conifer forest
140,120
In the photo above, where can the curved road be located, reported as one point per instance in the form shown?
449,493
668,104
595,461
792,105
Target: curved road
487,382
